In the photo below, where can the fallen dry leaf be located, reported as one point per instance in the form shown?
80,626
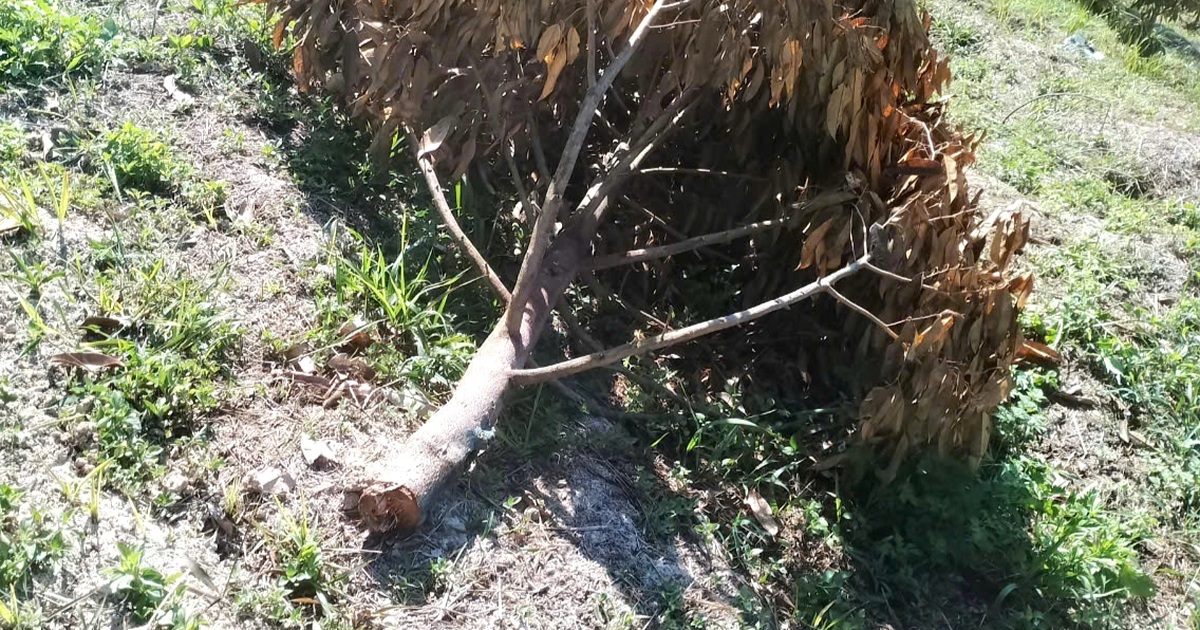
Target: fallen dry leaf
103,324
8,225
90,361
356,334
762,512
356,368
1038,353
306,365
176,94
310,379
316,453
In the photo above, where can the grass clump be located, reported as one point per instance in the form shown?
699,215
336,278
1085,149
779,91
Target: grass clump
307,585
396,290
138,158
12,146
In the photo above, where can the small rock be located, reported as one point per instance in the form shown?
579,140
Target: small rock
83,467
84,434
271,481
175,482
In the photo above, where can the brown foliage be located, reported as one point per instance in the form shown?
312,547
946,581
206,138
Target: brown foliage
826,114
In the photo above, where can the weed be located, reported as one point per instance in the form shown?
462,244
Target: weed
149,595
29,543
39,41
174,355
306,577
138,158
18,205
397,292
956,38
142,589
12,145
1022,161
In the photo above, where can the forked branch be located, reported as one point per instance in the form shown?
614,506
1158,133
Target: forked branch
651,253
552,204
451,223
682,335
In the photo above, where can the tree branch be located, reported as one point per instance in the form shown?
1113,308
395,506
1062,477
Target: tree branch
650,253
637,207
860,310
539,242
681,335
456,231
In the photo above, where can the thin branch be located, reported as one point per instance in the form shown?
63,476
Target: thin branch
670,117
861,311
539,242
675,337
456,231
650,253
1050,95
675,170
887,274
591,43
667,226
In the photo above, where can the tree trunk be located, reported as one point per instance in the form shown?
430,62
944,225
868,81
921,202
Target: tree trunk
401,487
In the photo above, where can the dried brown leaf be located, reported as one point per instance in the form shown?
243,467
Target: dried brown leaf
90,361
762,512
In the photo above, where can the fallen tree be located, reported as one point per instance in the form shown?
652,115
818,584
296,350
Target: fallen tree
782,148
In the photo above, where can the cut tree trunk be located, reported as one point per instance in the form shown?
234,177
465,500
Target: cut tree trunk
400,488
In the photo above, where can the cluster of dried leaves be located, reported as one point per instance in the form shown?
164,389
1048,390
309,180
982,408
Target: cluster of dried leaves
824,115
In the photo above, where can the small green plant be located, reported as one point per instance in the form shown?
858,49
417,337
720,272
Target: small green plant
35,275
397,293
138,158
12,145
27,544
149,595
305,575
142,589
18,205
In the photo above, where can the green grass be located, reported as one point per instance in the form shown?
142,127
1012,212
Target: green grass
394,295
175,352
39,42
308,586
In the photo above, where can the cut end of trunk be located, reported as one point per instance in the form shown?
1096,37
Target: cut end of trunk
389,507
